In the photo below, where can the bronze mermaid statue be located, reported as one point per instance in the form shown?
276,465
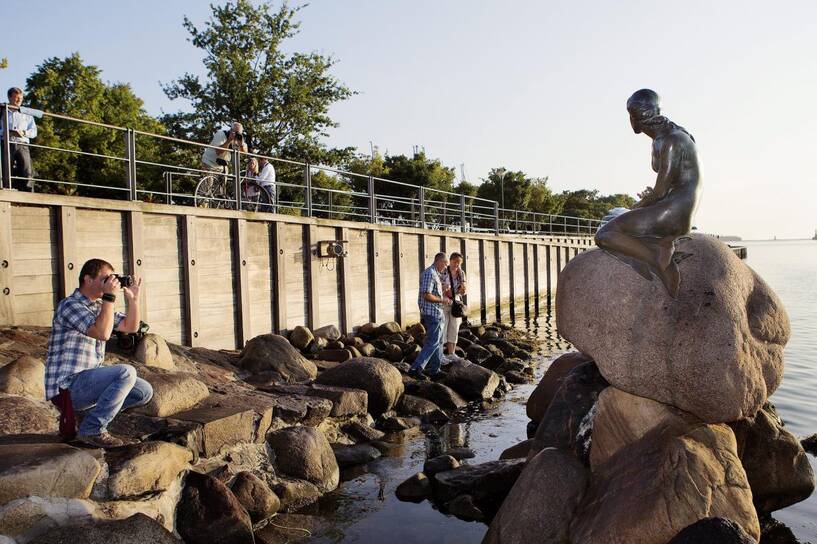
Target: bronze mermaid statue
645,236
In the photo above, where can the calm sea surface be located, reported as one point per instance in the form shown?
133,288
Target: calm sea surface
364,508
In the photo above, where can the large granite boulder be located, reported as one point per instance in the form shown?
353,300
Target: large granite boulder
255,496
542,501
209,513
716,351
304,452
273,355
379,379
24,376
652,489
142,468
137,529
152,351
776,465
24,415
47,470
539,401
172,393
470,380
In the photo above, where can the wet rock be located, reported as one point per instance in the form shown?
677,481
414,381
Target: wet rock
776,464
172,393
220,427
378,378
335,344
511,365
362,433
496,359
152,351
417,332
47,470
422,408
459,453
137,529
316,345
464,343
394,353
517,377
487,483
209,513
367,329
300,337
404,368
353,351
775,532
539,401
477,354
390,327
390,422
327,332
255,496
438,393
644,477
415,489
295,494
471,380
367,350
517,451
304,453
542,502
275,356
144,468
359,454
25,376
337,355
810,444
464,508
712,531
441,463
24,415
574,400
345,401
716,351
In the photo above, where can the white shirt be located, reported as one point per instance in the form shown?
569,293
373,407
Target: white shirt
22,122
267,176
210,155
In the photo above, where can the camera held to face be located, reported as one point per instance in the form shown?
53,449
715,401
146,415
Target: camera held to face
125,280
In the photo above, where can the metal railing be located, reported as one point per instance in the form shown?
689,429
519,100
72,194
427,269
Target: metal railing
160,168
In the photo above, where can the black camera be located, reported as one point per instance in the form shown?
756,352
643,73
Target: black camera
124,280
239,136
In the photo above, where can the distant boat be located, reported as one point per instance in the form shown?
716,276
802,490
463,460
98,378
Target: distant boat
815,234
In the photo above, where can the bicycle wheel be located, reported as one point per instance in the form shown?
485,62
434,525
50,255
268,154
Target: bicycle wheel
256,198
211,192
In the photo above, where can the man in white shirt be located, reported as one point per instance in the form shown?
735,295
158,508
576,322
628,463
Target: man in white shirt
21,129
266,177
224,142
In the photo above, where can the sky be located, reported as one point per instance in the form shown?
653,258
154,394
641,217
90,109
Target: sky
537,86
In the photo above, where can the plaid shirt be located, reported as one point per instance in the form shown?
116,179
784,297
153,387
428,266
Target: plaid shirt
430,282
70,350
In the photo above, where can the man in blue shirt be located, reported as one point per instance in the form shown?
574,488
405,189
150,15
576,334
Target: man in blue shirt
431,301
21,129
82,323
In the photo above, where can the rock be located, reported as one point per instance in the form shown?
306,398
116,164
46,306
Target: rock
511,365
418,332
540,399
441,395
460,453
367,329
671,481
209,513
496,359
274,355
464,508
471,381
422,408
776,465
219,427
392,423
712,531
477,354
25,376
367,350
24,415
304,453
394,353
516,377
573,403
255,496
295,494
46,470
415,489
810,444
354,352
775,532
464,344
334,355
144,468
404,368
390,327
378,378
622,419
335,344
716,351
363,433
152,351
328,332
360,454
137,529
487,483
518,451
541,503
345,401
441,463
300,337
26,518
317,344
172,393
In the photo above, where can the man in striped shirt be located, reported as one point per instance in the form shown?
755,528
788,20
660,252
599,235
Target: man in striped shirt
431,302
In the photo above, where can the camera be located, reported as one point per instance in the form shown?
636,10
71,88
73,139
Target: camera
124,279
238,136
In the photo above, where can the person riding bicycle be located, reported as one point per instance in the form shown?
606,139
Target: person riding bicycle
224,142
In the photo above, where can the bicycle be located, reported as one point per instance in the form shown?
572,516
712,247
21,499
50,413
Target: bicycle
216,191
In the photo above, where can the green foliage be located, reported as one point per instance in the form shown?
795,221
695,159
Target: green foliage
4,63
591,204
69,87
282,99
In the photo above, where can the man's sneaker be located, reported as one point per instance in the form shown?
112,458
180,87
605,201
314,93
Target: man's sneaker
101,440
417,375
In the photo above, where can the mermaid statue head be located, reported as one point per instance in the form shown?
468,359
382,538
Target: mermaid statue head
644,106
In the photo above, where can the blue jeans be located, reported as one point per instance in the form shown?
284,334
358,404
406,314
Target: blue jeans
107,389
432,351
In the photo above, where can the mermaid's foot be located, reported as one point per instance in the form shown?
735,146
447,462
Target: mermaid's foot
679,256
671,278
684,238
642,268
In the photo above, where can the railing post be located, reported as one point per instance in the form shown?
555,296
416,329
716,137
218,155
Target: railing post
5,182
372,201
130,163
169,187
462,212
308,184
423,207
237,178
496,217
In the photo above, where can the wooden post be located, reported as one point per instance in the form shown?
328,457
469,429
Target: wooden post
548,274
311,254
69,268
402,309
526,254
483,304
536,248
7,293
374,280
279,274
136,252
345,286
512,280
558,262
191,280
239,246
498,276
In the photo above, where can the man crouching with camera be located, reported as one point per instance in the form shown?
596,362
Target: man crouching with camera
74,376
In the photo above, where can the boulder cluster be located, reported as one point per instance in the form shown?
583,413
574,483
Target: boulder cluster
658,429
230,438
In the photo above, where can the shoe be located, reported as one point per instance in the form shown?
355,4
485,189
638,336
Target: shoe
418,375
437,376
101,440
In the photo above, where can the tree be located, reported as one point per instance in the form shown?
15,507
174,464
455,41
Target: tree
4,63
591,204
70,87
514,185
282,99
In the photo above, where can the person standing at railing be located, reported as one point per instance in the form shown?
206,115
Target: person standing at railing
431,302
453,279
250,190
22,129
217,157
266,177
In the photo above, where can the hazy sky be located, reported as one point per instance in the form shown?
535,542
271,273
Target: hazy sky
537,86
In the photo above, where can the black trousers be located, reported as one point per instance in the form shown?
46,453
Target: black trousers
20,166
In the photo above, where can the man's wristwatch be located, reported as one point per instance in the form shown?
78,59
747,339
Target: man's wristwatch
109,297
